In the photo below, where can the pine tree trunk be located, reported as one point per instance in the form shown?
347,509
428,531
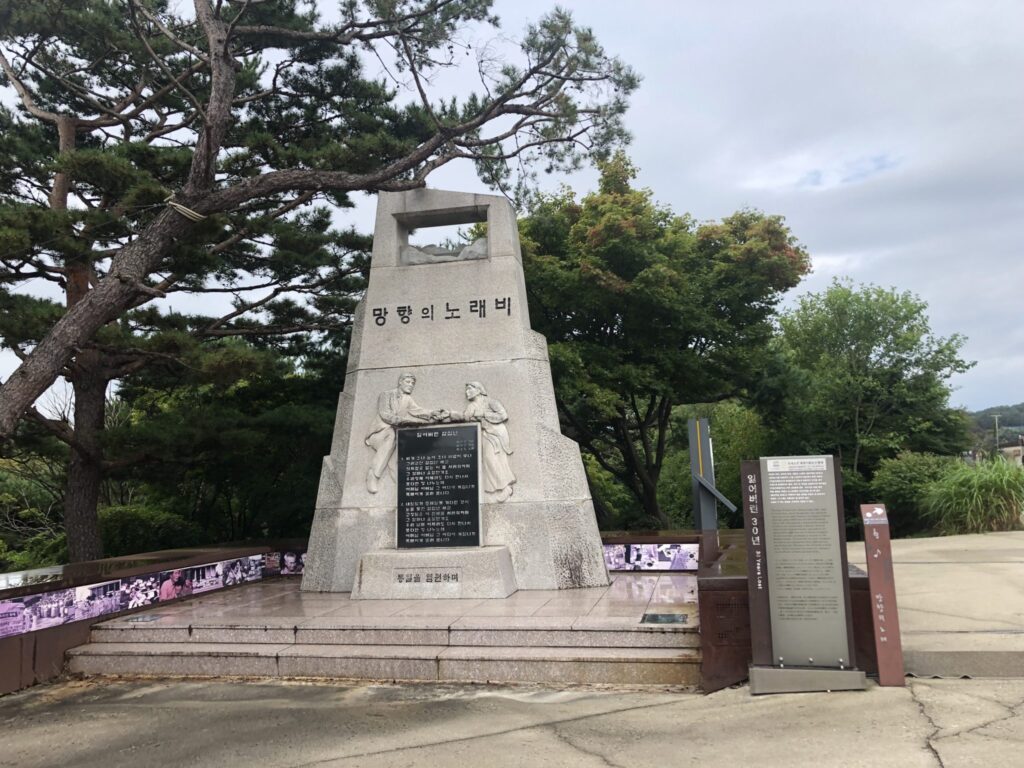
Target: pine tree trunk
85,468
601,511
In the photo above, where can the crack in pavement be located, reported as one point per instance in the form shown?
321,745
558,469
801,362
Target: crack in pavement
935,728
592,753
1012,710
462,739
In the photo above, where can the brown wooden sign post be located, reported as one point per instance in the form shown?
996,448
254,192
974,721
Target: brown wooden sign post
883,595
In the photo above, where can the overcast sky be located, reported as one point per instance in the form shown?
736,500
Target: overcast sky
889,135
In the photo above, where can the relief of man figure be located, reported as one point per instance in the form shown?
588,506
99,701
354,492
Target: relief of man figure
395,408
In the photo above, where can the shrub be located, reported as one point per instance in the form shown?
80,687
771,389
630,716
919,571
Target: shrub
38,551
901,484
131,529
987,496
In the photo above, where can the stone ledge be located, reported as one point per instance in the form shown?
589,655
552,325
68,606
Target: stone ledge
480,572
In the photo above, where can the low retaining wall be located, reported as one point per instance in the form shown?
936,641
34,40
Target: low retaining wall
44,613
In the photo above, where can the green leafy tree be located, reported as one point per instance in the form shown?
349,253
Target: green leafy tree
223,452
31,488
644,310
863,377
135,528
157,152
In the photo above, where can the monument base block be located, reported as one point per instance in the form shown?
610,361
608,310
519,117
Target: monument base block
804,680
450,572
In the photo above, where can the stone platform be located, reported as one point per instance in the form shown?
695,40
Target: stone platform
583,636
467,572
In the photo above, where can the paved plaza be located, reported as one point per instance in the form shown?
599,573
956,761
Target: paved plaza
280,603
961,600
153,723
961,603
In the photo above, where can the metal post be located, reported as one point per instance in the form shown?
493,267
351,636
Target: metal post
702,478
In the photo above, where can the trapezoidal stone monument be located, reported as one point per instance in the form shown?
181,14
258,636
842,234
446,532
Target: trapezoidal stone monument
448,474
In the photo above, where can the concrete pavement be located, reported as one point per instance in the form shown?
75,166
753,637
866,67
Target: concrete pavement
961,603
152,723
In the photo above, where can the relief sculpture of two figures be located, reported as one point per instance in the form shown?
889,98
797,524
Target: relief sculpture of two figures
396,408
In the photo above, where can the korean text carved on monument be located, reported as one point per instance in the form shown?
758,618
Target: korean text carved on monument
474,309
438,496
427,576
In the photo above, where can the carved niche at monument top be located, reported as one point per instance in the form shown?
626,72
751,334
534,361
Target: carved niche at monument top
444,338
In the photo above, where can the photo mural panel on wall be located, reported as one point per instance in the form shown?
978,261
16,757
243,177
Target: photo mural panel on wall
30,613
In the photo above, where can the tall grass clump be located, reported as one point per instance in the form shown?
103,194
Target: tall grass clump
987,496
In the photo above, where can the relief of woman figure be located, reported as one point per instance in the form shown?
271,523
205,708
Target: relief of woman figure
495,450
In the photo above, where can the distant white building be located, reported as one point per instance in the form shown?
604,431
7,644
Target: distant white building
1014,454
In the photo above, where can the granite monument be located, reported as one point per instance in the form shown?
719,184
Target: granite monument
453,326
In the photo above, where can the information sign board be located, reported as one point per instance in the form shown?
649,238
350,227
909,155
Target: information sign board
805,549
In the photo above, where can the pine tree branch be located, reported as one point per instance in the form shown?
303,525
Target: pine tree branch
196,104
159,24
59,429
128,462
270,330
26,97
353,31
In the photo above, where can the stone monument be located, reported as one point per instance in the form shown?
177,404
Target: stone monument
448,474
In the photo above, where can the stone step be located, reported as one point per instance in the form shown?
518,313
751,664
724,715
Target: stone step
964,654
579,665
599,632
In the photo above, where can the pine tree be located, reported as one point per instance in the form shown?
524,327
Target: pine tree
154,153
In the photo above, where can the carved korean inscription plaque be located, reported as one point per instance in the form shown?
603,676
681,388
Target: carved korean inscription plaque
438,486
808,598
